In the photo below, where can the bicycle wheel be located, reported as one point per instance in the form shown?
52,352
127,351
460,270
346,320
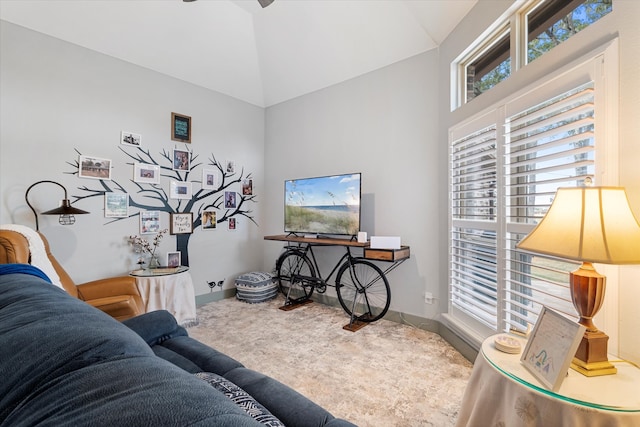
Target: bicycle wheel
363,290
292,267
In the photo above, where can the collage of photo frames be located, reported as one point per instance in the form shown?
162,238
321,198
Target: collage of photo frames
116,205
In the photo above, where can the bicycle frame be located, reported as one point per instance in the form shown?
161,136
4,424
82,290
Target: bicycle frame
308,252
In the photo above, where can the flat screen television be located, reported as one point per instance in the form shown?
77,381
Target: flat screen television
324,205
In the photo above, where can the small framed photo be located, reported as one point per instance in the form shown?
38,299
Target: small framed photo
209,179
94,167
230,167
181,160
233,224
174,259
149,222
551,347
128,138
181,223
230,199
209,220
180,190
247,187
116,205
145,173
180,128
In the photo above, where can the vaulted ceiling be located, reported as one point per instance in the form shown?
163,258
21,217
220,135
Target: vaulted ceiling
261,56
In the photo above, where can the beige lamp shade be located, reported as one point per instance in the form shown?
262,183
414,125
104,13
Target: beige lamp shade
592,224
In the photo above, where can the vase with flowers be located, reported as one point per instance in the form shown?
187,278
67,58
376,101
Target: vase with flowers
143,246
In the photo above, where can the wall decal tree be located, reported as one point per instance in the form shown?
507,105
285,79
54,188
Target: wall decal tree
149,196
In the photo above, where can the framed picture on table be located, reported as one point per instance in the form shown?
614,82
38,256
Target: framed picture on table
174,259
551,347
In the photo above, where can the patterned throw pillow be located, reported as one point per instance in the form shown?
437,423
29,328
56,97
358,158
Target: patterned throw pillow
256,287
241,398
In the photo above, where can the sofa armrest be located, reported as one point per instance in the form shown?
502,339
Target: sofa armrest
122,285
155,327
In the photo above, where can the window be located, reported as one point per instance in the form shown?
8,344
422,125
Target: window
549,23
505,167
546,24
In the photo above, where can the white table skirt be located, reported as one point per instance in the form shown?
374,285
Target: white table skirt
494,399
171,292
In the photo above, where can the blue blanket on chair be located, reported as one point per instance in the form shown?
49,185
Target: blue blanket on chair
24,269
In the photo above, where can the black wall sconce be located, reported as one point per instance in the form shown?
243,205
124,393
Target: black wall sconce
65,210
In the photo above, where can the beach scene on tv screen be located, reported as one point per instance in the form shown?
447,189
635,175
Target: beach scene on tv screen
323,205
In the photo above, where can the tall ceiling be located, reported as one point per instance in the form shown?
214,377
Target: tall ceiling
261,56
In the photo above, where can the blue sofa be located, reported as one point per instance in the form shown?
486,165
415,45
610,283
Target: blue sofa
63,362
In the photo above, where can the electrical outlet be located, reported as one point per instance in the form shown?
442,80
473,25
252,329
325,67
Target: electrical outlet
428,298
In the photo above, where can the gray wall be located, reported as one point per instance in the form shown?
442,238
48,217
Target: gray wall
383,124
58,97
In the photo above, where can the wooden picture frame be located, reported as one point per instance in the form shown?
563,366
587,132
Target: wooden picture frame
551,347
181,223
180,128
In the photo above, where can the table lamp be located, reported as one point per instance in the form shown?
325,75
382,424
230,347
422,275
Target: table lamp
65,210
588,224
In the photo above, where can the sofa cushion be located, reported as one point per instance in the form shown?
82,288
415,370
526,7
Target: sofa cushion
63,362
240,398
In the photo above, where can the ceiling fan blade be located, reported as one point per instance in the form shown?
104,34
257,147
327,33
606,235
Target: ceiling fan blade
265,3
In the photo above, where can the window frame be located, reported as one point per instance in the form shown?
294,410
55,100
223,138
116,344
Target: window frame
602,61
515,21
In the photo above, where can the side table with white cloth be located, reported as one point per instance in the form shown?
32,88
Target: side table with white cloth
502,392
168,289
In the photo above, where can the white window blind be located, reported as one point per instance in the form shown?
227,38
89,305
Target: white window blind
473,237
547,146
503,179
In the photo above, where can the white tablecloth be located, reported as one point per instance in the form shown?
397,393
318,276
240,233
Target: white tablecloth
172,292
511,397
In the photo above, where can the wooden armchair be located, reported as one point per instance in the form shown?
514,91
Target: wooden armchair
116,296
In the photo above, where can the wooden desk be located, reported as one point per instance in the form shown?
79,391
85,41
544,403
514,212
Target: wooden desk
502,392
392,255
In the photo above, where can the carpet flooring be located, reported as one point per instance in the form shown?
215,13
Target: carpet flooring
385,374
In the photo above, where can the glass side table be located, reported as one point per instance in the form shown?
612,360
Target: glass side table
168,289
501,390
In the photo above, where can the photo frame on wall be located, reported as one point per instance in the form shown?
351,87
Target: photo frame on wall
149,222
94,168
180,190
209,220
145,173
230,199
181,223
181,160
209,179
180,128
551,347
174,259
116,205
232,224
247,187
129,138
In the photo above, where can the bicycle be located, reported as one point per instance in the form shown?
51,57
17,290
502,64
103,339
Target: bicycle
361,286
